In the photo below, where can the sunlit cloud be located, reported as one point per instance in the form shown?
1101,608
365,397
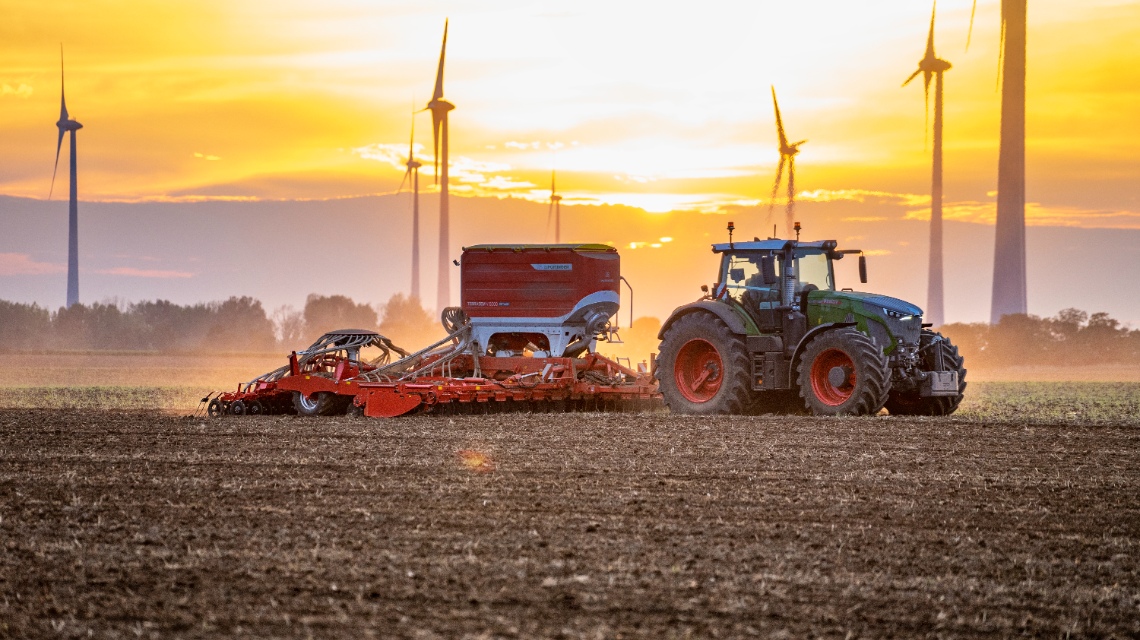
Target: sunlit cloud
1036,214
20,91
863,195
503,183
144,273
206,157
395,155
22,264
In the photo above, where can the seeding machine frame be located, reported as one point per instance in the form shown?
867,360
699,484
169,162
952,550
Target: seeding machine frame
524,340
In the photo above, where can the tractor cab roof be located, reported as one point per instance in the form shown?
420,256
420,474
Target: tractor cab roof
773,244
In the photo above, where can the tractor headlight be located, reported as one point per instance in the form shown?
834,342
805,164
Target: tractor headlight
897,315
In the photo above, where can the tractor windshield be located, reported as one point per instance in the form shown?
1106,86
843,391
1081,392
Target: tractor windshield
744,279
814,269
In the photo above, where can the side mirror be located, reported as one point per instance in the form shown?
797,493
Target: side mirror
768,269
704,288
863,269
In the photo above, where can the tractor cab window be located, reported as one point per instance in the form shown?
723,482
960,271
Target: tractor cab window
814,269
745,283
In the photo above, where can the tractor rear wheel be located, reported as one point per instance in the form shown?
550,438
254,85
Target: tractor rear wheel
910,403
322,404
843,373
703,367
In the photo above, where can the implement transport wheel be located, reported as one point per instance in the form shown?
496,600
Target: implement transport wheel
843,373
703,367
215,408
255,408
910,403
237,408
323,404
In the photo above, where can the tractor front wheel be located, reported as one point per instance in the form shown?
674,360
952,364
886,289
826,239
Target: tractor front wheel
703,367
843,373
935,349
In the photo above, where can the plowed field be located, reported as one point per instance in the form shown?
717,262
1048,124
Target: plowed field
126,524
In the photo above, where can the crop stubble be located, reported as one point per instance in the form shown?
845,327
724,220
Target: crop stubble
576,525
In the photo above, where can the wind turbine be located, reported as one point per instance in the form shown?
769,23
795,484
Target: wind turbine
439,109
787,155
1009,291
933,66
556,209
67,124
413,172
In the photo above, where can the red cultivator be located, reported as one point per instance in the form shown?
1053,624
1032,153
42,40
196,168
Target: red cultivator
524,340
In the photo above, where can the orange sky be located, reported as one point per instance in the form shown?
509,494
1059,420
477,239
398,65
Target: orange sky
649,104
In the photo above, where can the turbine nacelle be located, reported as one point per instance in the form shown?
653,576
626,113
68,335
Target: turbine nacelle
791,149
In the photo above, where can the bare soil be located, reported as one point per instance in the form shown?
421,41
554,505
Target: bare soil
119,524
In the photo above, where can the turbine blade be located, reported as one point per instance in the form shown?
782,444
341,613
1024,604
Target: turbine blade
438,94
779,122
407,174
930,37
776,184
912,76
62,98
970,31
58,146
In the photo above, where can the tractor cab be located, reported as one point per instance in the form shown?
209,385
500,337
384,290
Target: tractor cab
772,278
767,277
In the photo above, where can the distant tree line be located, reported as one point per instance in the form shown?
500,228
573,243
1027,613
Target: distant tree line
239,324
1071,337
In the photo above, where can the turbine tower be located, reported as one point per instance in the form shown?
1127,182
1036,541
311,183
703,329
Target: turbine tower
556,209
413,172
932,65
66,124
1009,292
787,155
439,109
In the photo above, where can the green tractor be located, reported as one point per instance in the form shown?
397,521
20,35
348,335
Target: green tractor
775,335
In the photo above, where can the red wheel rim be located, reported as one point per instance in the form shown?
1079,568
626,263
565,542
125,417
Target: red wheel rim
698,370
831,394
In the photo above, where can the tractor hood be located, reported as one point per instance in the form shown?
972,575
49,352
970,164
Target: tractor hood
889,306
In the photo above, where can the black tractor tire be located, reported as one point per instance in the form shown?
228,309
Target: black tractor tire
324,404
842,372
911,403
216,408
703,367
